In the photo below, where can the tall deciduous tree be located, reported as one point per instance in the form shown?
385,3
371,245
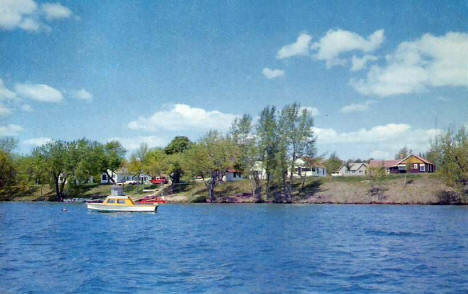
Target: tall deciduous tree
242,135
297,140
111,158
268,144
209,159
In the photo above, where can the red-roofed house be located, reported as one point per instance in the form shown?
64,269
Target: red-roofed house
410,164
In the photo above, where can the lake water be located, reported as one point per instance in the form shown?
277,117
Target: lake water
234,249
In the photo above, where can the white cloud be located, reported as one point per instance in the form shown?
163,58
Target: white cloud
382,155
312,110
298,48
272,73
4,111
10,130
55,11
82,94
6,94
337,42
387,138
37,141
14,13
39,92
25,15
135,142
183,117
430,61
375,134
26,108
356,107
361,63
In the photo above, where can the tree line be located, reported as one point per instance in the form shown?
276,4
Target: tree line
264,151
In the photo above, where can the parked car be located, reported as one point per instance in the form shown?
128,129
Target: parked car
159,181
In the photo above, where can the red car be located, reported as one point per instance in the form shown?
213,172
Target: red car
158,181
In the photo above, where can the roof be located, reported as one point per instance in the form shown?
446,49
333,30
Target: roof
355,165
418,157
383,163
392,163
310,161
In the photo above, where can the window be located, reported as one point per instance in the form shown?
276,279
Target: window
422,168
121,201
110,201
415,166
104,177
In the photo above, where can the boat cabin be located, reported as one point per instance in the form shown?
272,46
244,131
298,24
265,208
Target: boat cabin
119,200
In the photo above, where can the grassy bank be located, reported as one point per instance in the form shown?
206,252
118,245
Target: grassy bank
392,189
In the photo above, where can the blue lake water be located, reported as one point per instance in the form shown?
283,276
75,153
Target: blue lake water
234,249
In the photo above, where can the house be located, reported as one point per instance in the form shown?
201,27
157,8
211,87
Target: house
353,169
306,167
122,175
410,164
232,175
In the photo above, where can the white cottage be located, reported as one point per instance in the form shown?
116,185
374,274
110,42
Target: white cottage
308,168
232,175
353,169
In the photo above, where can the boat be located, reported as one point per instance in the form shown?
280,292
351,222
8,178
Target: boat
121,203
151,200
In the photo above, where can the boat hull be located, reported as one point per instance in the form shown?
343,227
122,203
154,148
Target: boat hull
114,208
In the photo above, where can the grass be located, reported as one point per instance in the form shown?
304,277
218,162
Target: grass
412,189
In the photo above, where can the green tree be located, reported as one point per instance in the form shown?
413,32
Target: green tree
7,175
209,159
178,145
333,163
53,157
297,140
454,159
243,137
110,158
268,144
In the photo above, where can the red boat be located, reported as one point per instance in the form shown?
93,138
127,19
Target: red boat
151,200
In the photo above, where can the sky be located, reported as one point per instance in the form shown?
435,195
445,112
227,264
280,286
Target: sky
376,75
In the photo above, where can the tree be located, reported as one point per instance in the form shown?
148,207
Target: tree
403,153
111,156
178,145
209,159
155,162
7,175
268,144
53,157
243,138
453,150
333,163
297,140
7,144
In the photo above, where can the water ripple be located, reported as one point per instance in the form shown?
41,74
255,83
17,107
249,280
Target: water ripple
234,249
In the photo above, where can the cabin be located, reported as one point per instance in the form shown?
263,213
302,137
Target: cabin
232,175
410,164
353,169
306,167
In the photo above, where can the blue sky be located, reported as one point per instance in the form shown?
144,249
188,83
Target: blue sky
377,75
